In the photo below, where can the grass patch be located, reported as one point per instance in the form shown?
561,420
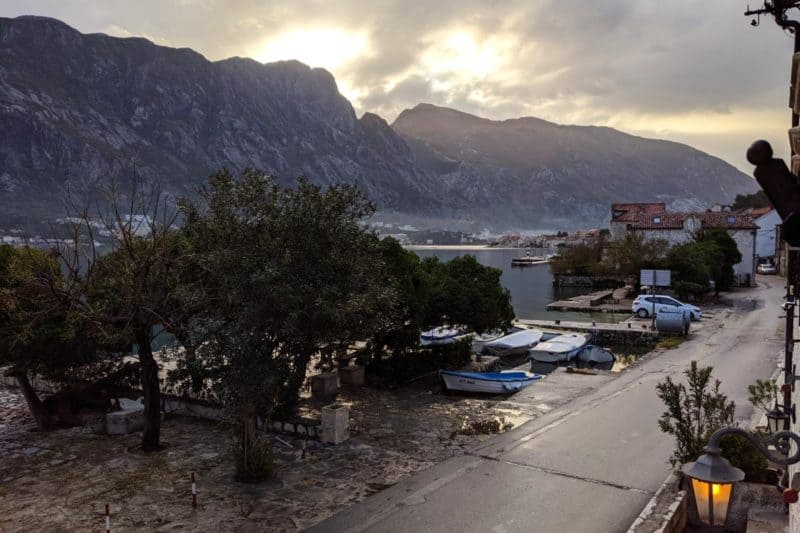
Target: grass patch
668,343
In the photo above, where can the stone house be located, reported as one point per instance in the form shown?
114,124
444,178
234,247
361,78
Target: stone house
652,221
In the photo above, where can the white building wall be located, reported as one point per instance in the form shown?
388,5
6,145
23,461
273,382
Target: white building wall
745,241
765,236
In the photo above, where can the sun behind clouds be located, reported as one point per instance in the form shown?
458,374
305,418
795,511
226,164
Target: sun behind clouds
328,48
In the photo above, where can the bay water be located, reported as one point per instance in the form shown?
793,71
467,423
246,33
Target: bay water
531,287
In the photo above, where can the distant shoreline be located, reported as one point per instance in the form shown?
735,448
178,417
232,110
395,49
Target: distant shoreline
458,247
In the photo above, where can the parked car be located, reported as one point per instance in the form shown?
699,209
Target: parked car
766,268
643,306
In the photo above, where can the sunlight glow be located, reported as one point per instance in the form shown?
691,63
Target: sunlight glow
317,47
458,54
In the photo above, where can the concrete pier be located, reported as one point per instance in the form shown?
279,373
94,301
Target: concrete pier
628,331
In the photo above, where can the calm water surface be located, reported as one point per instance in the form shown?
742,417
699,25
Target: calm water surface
531,287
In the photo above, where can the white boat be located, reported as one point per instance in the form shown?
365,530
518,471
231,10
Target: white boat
441,335
504,382
513,344
528,261
593,356
563,348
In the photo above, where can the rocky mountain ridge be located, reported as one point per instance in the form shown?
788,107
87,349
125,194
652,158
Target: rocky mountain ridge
80,109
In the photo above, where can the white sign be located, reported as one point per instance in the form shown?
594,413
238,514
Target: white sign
656,278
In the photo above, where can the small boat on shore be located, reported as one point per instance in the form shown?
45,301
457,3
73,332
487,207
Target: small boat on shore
593,356
560,349
513,344
505,382
441,335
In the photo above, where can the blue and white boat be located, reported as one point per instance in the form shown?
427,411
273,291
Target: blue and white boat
505,382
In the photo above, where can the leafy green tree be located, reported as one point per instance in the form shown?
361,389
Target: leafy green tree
464,292
722,253
431,293
690,268
38,338
581,259
633,253
287,274
757,199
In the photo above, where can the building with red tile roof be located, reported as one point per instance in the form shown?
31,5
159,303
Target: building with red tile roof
653,221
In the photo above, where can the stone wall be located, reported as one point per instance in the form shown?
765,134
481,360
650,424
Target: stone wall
564,280
794,509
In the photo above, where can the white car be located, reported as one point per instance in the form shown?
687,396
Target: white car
767,268
643,306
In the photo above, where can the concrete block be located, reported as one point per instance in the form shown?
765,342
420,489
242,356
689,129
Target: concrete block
352,375
335,423
125,421
324,386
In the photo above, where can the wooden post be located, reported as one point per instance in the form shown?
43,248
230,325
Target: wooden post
194,493
108,519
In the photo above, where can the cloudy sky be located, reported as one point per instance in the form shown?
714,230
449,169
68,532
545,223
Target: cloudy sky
694,72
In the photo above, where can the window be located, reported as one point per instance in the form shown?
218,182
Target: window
731,219
656,220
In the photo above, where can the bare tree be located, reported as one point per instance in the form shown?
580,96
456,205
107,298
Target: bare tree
129,293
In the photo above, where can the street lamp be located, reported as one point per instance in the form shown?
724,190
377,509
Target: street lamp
713,478
776,419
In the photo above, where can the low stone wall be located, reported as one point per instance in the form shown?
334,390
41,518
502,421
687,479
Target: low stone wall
566,280
666,512
174,405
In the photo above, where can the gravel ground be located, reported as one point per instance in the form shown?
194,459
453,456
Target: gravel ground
61,480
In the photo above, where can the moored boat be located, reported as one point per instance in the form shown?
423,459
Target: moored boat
528,261
505,382
514,343
563,348
441,335
593,356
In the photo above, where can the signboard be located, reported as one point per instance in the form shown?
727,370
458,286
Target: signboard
656,278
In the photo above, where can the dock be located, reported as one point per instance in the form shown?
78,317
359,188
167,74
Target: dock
624,332
605,301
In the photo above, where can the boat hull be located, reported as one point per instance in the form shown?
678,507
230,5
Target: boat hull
563,348
517,343
488,383
596,357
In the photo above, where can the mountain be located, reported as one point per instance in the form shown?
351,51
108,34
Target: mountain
77,110
533,173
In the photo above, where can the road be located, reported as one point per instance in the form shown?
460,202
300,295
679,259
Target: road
591,465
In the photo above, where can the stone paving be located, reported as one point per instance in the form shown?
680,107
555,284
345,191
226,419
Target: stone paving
61,480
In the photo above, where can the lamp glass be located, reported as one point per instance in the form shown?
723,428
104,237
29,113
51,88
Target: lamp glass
712,501
773,420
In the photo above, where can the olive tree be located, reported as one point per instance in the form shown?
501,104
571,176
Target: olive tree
288,274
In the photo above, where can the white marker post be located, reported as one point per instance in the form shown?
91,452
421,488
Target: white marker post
108,519
194,493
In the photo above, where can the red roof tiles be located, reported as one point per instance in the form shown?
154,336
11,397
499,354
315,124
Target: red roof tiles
631,212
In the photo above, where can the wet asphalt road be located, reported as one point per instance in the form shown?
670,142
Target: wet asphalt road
590,465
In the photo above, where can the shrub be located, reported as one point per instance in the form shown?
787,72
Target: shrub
693,414
402,367
255,463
